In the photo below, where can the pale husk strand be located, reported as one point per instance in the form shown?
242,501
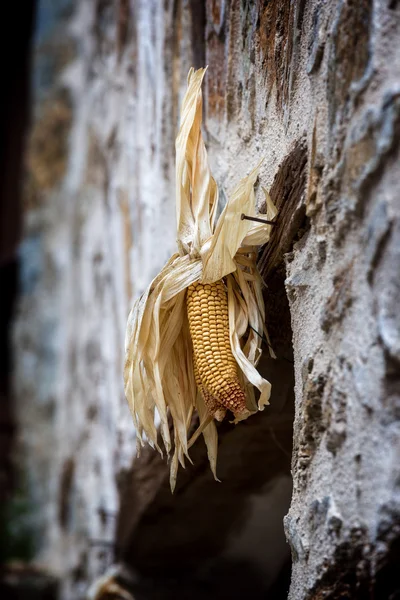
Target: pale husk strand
154,330
246,366
184,214
197,192
210,435
136,386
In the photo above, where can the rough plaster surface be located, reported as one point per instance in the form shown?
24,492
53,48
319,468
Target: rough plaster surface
338,90
100,222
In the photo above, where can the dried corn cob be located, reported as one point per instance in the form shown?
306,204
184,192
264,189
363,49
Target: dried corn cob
203,361
207,307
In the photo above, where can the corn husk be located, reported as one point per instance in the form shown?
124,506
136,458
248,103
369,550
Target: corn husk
158,375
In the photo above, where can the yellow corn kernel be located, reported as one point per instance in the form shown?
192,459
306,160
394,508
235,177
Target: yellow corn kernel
214,364
213,406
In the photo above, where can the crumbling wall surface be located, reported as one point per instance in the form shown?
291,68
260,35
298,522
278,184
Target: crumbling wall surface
311,87
327,75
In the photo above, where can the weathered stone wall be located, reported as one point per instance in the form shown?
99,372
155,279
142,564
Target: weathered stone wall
326,74
314,88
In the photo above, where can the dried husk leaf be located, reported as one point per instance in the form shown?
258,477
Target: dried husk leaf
219,251
246,366
197,192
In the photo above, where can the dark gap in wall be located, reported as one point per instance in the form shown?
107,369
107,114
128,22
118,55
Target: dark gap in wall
288,194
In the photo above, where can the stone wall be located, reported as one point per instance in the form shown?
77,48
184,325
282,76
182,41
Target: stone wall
313,88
